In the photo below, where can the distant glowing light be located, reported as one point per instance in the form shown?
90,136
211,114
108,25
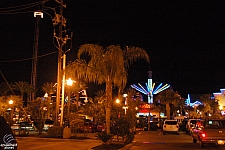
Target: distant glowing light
188,102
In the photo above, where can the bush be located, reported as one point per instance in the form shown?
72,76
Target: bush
55,131
123,128
130,137
104,137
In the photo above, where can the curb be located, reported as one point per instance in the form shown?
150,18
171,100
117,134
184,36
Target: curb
128,146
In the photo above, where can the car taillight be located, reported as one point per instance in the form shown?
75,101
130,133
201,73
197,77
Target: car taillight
164,126
177,126
203,135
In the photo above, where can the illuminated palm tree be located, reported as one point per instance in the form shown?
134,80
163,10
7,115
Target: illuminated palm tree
106,65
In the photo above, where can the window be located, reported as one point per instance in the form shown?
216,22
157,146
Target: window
171,122
218,124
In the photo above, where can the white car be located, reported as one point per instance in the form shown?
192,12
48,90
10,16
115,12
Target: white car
48,124
170,126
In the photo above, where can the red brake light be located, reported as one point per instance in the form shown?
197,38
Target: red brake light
164,126
203,135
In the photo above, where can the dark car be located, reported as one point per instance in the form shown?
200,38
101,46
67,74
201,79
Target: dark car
7,138
100,127
88,127
209,131
27,126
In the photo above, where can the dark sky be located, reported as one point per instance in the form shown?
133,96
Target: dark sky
184,39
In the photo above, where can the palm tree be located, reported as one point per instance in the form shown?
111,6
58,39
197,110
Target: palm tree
49,88
76,88
95,108
23,88
208,103
178,106
168,97
106,65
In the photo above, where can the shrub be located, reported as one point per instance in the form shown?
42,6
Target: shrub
55,131
104,137
123,128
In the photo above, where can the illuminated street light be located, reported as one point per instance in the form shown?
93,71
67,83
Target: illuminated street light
69,82
117,101
10,102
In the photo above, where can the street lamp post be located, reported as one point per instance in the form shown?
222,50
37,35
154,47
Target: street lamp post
69,83
63,86
125,107
11,111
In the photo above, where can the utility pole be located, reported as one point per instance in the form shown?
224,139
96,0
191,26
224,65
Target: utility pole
59,78
61,41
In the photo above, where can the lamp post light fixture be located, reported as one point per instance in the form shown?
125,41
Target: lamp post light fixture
10,102
117,101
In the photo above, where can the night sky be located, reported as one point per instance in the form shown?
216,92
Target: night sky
184,39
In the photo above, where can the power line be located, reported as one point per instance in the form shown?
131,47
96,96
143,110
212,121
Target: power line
9,61
25,5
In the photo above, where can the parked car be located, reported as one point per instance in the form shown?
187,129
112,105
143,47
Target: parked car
191,125
88,127
48,124
22,126
170,126
15,126
209,131
100,127
7,138
26,126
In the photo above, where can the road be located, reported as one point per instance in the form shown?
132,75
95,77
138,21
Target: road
144,140
34,143
155,140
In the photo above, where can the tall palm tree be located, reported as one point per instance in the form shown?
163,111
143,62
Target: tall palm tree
106,65
168,97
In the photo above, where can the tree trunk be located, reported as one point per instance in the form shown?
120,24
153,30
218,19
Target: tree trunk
168,110
108,105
